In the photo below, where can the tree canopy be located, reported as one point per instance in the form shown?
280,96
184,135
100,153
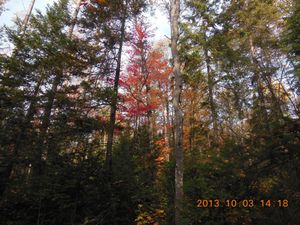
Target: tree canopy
103,124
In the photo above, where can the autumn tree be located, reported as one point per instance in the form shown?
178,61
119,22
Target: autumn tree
145,80
72,101
127,9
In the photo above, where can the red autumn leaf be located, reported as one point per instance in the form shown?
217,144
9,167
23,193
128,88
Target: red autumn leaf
146,76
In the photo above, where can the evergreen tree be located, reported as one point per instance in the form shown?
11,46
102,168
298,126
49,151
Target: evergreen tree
71,104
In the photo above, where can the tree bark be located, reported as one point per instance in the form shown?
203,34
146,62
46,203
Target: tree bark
113,107
175,11
74,18
46,120
27,17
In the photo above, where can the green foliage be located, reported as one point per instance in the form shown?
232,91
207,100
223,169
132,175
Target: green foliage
55,92
292,36
248,171
135,174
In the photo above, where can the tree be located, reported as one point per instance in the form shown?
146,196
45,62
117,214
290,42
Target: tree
199,30
66,88
175,12
128,8
292,36
113,109
27,16
145,82
23,79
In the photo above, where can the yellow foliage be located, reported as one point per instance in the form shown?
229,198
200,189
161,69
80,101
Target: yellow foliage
149,218
242,174
267,184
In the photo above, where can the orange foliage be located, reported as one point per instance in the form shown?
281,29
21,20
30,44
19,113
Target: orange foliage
101,2
195,114
91,8
164,150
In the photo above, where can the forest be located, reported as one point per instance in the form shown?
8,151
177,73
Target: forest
103,123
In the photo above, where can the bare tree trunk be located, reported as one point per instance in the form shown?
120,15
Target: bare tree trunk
169,121
74,18
166,133
113,109
191,123
149,115
166,125
27,17
175,11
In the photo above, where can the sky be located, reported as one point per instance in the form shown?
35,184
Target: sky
16,8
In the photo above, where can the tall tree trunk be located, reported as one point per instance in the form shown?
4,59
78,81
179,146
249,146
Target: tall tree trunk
210,84
46,121
145,75
27,17
275,100
166,125
74,18
175,11
171,142
114,100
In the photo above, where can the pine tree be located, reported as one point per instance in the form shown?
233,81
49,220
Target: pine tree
292,36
